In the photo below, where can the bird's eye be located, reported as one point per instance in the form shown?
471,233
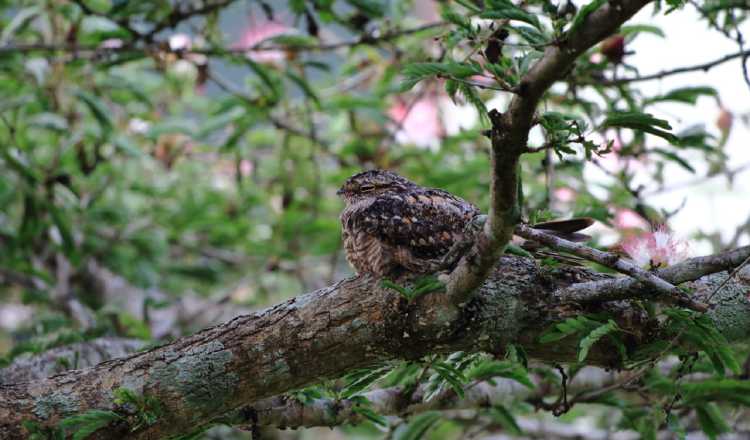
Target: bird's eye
366,187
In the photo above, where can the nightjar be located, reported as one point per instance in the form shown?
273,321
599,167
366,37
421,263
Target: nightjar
391,225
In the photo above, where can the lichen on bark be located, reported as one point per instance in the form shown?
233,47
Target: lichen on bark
199,375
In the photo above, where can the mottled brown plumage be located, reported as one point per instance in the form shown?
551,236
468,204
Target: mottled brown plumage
391,224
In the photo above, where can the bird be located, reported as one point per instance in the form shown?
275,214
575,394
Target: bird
391,225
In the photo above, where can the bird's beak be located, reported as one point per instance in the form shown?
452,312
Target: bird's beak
340,191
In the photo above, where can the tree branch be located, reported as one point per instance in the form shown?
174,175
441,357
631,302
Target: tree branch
287,412
219,51
613,261
509,136
614,289
324,334
678,70
30,367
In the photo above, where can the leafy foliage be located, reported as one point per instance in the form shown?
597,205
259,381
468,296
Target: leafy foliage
196,162
421,286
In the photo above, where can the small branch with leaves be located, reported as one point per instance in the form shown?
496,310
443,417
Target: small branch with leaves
612,261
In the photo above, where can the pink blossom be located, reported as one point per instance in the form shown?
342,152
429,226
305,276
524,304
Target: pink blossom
656,249
256,33
486,80
111,43
178,42
246,168
596,58
565,195
138,126
724,120
614,162
628,219
419,122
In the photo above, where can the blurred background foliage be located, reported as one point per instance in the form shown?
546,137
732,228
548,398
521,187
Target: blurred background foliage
190,151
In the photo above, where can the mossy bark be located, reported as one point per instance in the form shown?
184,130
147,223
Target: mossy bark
324,334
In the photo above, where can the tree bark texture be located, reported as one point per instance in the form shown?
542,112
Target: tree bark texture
353,323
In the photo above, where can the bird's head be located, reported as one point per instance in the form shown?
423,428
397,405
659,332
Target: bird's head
371,183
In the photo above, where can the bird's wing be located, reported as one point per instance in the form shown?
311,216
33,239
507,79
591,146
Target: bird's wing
426,222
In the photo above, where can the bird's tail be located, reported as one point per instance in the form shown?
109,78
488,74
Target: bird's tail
567,229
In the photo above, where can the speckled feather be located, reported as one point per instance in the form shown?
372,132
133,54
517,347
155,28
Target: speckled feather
391,224
398,225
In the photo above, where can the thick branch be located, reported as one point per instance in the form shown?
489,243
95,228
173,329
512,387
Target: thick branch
509,135
324,334
29,367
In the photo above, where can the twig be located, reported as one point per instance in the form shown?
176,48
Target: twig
509,135
611,260
686,69
729,278
625,288
218,51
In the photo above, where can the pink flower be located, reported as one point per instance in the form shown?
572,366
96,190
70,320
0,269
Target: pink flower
656,249
419,122
255,34
724,121
565,195
111,43
178,42
628,219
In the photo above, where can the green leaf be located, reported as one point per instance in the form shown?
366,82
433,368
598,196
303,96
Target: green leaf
673,424
506,419
674,158
471,95
711,420
457,19
99,6
451,375
469,5
98,110
717,389
492,368
293,40
531,35
640,121
507,10
388,284
370,415
126,146
19,166
220,121
416,72
183,126
688,95
517,250
451,87
58,218
50,121
583,13
419,426
641,28
361,379
267,77
305,87
590,339
22,18
371,8
83,425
